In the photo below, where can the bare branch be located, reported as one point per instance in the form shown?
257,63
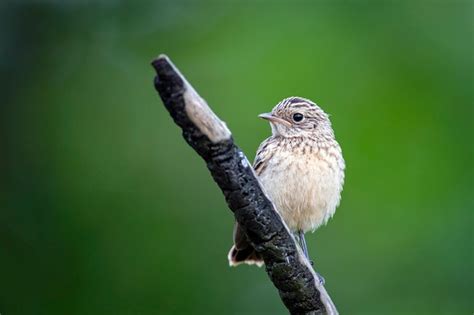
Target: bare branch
289,270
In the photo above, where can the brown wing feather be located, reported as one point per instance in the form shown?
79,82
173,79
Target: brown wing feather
264,153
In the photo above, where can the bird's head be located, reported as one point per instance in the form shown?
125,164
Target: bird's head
299,117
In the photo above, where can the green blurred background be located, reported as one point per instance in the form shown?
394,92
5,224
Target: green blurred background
106,210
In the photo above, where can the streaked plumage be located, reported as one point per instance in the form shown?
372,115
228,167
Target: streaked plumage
301,169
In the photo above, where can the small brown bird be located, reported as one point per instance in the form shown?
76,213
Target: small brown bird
301,169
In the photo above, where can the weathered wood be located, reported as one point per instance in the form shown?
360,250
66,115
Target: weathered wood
289,270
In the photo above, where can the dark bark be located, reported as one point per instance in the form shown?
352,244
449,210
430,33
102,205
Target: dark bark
289,270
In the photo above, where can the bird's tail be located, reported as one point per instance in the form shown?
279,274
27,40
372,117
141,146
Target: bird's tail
246,256
242,252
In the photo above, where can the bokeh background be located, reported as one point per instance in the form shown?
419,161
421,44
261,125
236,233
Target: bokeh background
105,210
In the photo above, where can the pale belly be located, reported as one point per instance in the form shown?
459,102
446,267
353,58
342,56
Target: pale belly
305,189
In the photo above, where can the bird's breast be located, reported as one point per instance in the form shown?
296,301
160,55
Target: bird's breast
304,185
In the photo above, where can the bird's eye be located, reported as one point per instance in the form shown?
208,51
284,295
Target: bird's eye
297,117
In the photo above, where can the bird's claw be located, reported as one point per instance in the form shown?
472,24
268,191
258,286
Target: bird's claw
321,279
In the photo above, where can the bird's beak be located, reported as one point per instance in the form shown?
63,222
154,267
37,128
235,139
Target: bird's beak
274,119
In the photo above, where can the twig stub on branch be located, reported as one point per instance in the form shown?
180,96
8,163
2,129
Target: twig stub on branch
289,270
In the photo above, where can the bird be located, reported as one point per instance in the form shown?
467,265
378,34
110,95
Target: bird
300,168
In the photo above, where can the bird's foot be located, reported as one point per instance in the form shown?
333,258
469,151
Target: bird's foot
321,279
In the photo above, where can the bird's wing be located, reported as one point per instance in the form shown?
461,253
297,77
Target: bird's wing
264,153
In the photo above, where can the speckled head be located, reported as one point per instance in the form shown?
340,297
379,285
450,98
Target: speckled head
299,117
